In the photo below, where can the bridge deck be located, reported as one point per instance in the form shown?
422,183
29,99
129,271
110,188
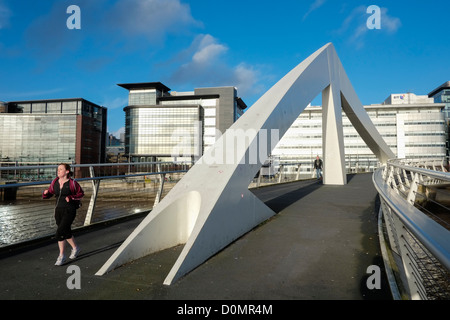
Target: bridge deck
318,246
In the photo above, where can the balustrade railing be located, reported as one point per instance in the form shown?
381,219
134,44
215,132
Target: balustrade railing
415,219
111,191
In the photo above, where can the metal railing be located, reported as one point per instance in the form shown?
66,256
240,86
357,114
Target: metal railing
111,191
276,174
415,220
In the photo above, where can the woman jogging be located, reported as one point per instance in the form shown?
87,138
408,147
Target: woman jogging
68,193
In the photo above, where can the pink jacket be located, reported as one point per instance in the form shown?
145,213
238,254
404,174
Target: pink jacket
75,188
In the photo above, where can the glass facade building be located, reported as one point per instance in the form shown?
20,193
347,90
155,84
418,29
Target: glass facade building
442,95
173,131
164,125
34,138
53,131
412,131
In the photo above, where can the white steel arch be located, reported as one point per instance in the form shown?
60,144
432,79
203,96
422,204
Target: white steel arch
212,206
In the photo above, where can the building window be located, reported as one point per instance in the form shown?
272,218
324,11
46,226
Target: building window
142,97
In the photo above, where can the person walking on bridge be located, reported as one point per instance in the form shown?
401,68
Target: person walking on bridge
318,167
68,194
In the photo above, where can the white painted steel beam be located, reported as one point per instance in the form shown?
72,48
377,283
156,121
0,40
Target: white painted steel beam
211,206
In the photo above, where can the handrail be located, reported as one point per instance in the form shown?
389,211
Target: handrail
11,188
432,235
37,183
441,175
420,242
145,183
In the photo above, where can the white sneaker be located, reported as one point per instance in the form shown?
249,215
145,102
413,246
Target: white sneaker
74,253
60,261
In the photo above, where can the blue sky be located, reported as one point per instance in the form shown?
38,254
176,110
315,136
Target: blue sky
187,44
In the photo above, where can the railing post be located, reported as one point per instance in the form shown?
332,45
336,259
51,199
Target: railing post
413,189
258,181
405,176
391,179
386,172
161,186
443,166
93,200
399,177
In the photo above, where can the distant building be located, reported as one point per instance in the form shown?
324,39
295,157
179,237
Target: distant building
442,95
115,150
412,126
113,141
116,154
3,106
53,131
164,125
407,98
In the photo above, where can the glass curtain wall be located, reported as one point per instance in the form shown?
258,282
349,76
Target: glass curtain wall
163,131
35,138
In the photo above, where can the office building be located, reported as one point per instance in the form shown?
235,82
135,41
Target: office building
167,126
53,131
412,126
442,95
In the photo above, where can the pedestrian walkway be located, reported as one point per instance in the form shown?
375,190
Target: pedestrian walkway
318,246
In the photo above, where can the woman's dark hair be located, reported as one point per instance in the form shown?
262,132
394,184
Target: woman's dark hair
67,166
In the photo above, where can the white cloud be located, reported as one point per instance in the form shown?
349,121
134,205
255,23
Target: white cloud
205,64
124,23
313,7
151,18
358,13
246,78
208,51
355,25
391,24
118,132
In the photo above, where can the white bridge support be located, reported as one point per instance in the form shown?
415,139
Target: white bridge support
211,206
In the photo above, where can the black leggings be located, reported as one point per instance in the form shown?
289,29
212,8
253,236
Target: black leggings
64,218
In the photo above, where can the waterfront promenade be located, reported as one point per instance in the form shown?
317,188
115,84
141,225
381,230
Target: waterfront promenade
318,246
